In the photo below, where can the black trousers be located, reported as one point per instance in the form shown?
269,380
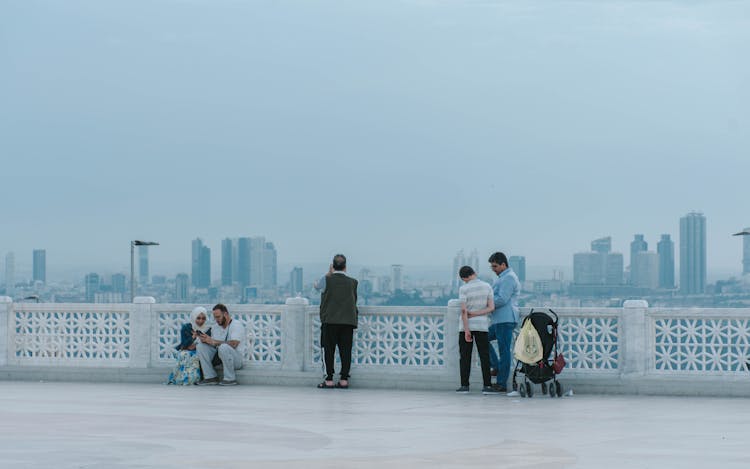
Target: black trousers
341,336
465,349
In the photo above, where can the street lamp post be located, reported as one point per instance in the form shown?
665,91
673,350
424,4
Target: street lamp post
133,244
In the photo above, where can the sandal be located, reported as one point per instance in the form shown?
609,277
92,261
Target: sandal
342,386
324,385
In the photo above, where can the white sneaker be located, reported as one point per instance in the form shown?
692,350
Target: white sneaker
513,394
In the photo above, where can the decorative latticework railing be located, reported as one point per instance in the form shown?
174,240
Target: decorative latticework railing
698,343
392,337
65,334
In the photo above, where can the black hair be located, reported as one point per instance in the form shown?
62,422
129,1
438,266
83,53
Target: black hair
339,262
465,272
220,307
498,258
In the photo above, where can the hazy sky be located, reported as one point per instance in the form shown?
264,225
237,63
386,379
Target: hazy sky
393,131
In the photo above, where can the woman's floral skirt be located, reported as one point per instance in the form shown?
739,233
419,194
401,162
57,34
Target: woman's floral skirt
188,369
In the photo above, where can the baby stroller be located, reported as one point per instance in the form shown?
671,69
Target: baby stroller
546,369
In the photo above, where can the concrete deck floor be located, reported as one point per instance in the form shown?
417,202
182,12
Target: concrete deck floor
84,425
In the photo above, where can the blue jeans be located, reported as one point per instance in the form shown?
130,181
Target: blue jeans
504,334
493,355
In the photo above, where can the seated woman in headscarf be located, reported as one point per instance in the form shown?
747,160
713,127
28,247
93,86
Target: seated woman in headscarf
188,368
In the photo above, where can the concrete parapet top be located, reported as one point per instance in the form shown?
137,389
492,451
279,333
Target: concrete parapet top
635,304
297,301
144,300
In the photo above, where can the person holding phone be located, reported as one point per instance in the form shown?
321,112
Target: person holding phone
187,370
227,342
338,319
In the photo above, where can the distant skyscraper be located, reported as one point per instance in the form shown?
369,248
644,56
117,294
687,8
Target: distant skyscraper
92,283
598,267
647,273
665,250
518,264
40,265
458,261
637,245
746,253
181,288
201,264
473,261
396,277
602,245
269,266
10,274
295,282
693,253
226,262
119,284
143,276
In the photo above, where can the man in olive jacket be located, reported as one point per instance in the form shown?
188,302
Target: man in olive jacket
338,319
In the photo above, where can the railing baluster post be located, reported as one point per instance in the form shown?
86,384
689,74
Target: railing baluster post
293,334
6,316
141,332
452,317
634,336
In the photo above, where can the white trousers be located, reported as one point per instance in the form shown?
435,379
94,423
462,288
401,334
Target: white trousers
230,358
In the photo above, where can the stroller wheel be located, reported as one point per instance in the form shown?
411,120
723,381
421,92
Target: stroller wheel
558,388
529,390
522,390
552,390
544,388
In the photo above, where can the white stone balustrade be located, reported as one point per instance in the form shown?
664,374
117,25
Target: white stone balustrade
634,349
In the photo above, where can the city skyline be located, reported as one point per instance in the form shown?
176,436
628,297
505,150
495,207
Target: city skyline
579,120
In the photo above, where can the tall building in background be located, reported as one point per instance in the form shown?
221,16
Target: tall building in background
647,273
598,267
181,288
201,264
665,250
269,266
10,274
256,262
473,261
295,282
40,265
227,262
397,282
119,283
746,253
638,245
693,254
518,264
459,260
92,282
143,276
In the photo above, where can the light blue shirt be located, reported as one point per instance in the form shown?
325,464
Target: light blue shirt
505,290
320,285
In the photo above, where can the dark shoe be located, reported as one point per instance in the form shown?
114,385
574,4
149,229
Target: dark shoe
208,382
228,382
325,385
342,386
463,390
491,391
493,371
499,388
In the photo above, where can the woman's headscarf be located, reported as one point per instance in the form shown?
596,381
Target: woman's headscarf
194,315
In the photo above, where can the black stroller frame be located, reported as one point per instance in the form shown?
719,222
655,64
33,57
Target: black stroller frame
545,323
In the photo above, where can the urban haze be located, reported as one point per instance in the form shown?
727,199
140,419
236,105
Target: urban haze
399,133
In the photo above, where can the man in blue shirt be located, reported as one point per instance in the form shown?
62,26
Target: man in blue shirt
505,289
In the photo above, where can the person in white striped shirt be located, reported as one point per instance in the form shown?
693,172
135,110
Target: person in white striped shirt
477,302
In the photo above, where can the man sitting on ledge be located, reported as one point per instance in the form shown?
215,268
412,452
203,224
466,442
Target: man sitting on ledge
228,339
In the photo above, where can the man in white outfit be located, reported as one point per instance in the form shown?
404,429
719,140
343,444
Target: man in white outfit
229,340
